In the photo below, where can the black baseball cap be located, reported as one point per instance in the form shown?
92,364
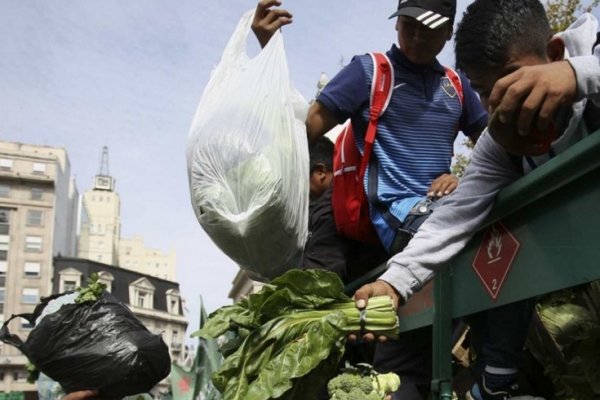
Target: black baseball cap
431,13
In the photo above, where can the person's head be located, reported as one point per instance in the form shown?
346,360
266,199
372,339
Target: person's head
424,27
321,166
496,37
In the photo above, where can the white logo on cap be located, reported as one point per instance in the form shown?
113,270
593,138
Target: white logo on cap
431,19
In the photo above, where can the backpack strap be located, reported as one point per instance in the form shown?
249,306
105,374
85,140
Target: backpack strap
381,93
456,82
393,222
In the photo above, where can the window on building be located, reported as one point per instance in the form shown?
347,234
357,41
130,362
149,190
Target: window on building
107,278
141,293
36,194
69,279
4,221
69,286
5,163
1,375
33,244
2,295
30,296
39,168
35,218
142,299
32,269
4,190
173,301
99,257
3,260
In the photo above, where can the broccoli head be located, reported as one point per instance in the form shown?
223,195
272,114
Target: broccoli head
362,384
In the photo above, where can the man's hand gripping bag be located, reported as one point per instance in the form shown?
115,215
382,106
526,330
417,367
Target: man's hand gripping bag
247,158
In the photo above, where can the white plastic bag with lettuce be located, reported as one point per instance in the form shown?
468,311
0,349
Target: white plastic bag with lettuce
248,158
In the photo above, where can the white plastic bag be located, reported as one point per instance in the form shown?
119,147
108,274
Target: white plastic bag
248,158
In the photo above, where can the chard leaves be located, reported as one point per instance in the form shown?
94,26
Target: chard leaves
289,343
284,349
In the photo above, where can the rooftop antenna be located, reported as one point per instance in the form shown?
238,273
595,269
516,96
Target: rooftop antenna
104,162
103,181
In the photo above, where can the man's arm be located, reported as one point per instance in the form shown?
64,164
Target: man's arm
445,233
319,121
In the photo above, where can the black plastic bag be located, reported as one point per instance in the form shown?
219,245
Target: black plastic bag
96,345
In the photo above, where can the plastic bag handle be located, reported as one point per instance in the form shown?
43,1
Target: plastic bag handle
11,338
236,47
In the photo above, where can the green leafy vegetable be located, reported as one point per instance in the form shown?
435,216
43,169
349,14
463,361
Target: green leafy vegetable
291,334
92,291
32,372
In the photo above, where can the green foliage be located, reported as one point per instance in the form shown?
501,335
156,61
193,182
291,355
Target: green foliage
291,335
32,372
562,13
362,383
92,292
461,160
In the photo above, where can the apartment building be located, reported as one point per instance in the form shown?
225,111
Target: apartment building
39,211
134,255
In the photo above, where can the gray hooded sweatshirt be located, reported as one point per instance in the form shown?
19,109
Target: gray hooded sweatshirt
449,228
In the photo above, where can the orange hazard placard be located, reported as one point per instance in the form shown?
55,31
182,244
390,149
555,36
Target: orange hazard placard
494,258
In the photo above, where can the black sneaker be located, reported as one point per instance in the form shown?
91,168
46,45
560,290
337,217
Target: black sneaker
476,394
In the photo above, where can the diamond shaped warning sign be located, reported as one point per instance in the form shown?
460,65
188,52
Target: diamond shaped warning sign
495,257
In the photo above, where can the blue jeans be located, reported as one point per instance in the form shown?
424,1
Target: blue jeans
498,335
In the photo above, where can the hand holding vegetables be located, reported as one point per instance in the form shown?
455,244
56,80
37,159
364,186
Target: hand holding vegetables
371,290
292,335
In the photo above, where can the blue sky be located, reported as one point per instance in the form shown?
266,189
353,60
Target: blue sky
129,75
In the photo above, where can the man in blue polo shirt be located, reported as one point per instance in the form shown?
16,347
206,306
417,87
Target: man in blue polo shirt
414,144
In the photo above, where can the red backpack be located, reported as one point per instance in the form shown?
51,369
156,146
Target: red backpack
350,203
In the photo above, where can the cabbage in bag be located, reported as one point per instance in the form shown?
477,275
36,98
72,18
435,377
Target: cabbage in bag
248,159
